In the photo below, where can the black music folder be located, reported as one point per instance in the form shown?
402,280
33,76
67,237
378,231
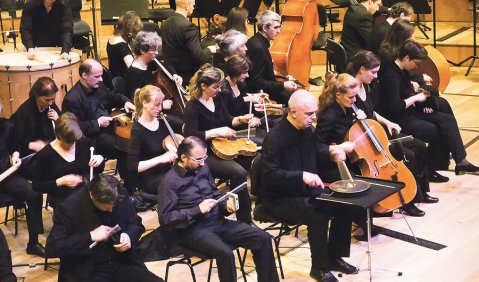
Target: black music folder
111,10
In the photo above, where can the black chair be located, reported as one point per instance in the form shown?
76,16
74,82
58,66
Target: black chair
261,215
336,56
119,85
7,201
82,33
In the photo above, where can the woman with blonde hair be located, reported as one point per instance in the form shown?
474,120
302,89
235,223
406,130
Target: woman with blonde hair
146,157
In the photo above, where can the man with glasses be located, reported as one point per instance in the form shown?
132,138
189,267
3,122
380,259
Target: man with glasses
187,206
261,74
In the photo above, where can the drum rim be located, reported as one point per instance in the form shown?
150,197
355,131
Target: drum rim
42,66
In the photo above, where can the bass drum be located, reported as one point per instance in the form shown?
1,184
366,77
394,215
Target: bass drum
437,67
18,74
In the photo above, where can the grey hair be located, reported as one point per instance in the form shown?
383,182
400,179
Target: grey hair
231,40
146,41
266,18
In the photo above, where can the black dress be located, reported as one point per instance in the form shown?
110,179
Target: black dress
116,54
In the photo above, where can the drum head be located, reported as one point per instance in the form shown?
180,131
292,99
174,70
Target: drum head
47,58
349,187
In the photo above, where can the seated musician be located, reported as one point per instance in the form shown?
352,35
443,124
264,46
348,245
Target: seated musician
34,119
88,217
232,42
401,105
290,181
187,206
206,117
146,156
365,66
47,23
92,102
357,26
236,19
118,45
262,76
233,90
63,165
16,186
181,42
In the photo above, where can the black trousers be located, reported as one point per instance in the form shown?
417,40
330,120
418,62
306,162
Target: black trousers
6,273
236,172
438,129
324,245
123,272
21,189
218,237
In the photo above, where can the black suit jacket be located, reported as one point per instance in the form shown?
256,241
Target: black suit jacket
70,237
181,46
357,27
377,36
261,74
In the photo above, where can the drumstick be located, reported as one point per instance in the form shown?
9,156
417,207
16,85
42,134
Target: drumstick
53,122
119,115
250,112
265,114
91,167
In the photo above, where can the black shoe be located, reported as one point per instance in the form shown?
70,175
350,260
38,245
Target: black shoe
429,199
36,250
437,178
412,210
322,276
364,236
138,203
340,265
318,81
462,169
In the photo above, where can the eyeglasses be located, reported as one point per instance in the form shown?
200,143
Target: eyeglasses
416,62
198,161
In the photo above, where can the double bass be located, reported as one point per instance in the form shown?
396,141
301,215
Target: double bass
291,50
371,146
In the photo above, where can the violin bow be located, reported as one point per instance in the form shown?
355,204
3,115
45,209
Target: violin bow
250,112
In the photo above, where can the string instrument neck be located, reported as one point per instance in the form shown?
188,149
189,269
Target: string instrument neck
372,136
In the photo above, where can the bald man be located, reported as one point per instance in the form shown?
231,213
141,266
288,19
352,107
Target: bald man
290,182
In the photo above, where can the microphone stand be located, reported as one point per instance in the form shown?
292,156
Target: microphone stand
474,56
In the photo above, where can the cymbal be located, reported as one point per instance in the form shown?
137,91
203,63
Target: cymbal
349,186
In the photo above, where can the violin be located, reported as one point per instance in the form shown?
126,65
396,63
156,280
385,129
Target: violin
228,149
371,147
172,141
122,124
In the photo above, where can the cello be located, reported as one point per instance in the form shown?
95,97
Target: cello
291,51
437,67
371,147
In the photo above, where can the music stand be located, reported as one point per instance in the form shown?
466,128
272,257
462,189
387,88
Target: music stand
379,190
474,26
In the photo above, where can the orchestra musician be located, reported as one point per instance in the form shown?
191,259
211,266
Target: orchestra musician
401,105
20,188
181,42
146,156
262,76
357,26
233,90
34,119
187,206
118,50
236,19
290,182
232,42
91,102
47,23
206,117
80,235
63,165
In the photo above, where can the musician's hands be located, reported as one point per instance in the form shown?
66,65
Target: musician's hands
254,122
337,155
178,80
100,233
69,180
65,56
52,114
427,110
31,54
230,205
415,86
207,205
290,85
360,114
427,79
213,48
312,180
16,161
167,104
224,132
129,107
125,243
347,146
36,145
104,121
167,157
95,160
391,126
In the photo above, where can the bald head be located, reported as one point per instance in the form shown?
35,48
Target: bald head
302,109
91,73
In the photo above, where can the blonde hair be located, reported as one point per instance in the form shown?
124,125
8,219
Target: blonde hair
67,129
335,84
146,94
208,75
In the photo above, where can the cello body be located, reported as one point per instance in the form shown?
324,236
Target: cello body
168,87
291,50
437,67
123,127
377,162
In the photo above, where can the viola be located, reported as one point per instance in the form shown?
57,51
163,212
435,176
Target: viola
122,124
375,160
228,149
173,140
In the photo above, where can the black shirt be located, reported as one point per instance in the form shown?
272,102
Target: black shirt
7,143
180,194
40,28
236,106
116,54
137,78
